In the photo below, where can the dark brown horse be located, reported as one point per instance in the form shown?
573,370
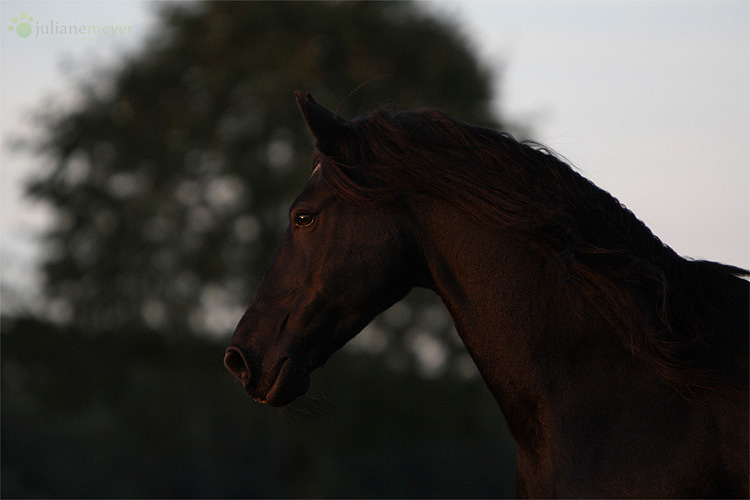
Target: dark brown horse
621,367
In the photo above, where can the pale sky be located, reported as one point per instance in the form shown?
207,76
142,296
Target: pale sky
650,100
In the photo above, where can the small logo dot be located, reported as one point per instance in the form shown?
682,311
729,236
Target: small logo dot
21,25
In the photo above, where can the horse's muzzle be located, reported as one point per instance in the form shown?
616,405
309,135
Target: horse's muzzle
284,383
237,363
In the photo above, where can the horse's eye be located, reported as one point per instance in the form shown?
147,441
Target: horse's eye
304,220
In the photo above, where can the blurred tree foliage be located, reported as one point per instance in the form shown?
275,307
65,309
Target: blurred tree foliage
127,415
171,179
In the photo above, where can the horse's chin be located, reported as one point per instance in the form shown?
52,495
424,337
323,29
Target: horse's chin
292,381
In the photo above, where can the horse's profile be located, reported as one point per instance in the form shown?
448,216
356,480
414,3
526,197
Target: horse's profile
620,367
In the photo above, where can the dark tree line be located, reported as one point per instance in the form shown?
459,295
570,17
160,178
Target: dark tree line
126,415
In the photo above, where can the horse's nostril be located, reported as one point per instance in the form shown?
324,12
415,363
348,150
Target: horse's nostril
236,362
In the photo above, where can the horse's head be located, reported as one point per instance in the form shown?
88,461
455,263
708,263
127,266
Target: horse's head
339,264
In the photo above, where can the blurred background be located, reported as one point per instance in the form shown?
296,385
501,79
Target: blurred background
146,173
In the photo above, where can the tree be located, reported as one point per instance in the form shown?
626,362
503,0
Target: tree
170,182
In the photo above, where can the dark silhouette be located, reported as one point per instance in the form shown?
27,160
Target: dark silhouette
621,368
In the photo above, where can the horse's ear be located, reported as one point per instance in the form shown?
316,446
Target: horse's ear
331,133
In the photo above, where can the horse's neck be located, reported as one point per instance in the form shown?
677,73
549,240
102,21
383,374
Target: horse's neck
588,417
534,337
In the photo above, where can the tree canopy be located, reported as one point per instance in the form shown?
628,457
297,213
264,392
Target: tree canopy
170,179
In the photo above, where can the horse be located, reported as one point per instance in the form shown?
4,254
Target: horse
621,368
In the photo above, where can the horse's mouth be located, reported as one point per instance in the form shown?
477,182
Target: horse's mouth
292,380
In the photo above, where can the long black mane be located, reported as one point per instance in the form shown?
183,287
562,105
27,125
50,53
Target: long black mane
671,312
